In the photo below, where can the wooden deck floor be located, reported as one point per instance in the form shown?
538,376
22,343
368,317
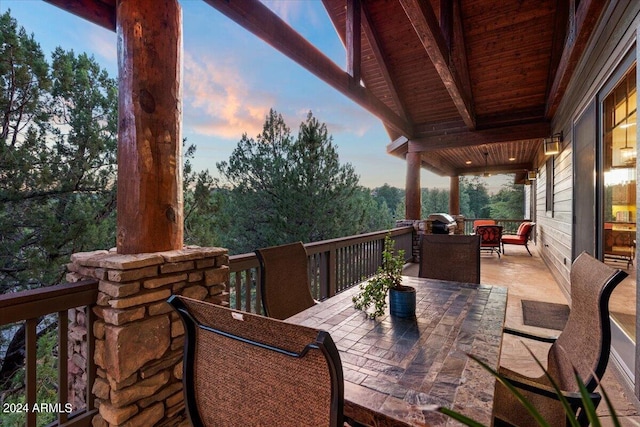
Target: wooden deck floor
528,278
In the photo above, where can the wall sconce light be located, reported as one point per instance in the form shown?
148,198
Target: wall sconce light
532,175
552,144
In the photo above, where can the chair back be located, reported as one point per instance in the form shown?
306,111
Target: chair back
584,343
284,284
242,369
479,222
524,230
490,235
450,257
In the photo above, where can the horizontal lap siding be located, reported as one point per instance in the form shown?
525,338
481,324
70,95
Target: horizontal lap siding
605,50
554,228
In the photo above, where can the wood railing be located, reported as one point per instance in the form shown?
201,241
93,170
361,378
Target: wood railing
29,307
334,265
509,226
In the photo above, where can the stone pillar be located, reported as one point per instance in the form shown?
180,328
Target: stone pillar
77,357
138,337
459,224
420,227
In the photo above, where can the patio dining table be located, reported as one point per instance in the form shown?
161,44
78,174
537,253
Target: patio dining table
397,371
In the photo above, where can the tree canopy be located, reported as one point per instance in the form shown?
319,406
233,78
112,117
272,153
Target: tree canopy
57,158
284,189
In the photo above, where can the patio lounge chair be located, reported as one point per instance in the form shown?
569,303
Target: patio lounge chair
520,238
490,237
284,284
583,345
450,257
242,369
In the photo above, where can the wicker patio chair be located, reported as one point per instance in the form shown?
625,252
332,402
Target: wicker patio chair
284,284
450,257
242,369
583,345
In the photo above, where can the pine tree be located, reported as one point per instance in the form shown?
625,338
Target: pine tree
57,159
283,189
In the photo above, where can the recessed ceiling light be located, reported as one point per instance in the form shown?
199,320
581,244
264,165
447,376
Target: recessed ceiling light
511,159
468,162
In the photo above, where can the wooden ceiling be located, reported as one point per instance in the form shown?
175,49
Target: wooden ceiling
452,79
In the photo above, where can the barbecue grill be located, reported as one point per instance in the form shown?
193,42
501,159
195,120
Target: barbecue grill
442,223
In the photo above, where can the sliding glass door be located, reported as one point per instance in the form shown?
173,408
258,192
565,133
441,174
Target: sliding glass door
618,107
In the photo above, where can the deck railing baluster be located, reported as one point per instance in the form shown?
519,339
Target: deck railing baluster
63,354
30,366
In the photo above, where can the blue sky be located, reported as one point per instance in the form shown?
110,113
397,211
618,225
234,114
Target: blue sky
231,79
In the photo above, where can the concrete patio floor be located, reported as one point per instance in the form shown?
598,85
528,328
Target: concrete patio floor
527,277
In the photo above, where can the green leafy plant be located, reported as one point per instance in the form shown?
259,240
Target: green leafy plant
389,275
572,417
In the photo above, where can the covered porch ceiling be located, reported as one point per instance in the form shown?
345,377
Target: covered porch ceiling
472,85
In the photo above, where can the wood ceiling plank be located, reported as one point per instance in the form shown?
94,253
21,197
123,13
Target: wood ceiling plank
354,39
426,25
497,169
381,60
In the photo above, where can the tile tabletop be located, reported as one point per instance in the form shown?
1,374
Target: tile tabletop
397,371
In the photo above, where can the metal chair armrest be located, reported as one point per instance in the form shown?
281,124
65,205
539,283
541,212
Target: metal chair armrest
572,397
528,335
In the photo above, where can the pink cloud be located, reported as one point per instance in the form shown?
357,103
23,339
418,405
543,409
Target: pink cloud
223,103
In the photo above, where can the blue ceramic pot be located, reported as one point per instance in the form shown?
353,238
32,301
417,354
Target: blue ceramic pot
402,302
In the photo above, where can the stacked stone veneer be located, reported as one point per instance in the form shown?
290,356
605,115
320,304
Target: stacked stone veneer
77,361
138,337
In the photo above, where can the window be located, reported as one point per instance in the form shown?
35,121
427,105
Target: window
549,184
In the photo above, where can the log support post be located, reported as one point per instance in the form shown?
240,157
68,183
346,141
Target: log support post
150,204
413,204
454,195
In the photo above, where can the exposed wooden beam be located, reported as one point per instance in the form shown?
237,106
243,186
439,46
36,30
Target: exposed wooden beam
425,23
398,147
459,50
96,11
381,59
489,136
586,18
258,19
354,39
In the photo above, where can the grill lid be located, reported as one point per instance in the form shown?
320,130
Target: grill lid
441,217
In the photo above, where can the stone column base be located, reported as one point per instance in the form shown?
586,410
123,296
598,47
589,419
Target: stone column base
138,336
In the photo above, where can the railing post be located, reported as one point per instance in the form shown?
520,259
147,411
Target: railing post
333,271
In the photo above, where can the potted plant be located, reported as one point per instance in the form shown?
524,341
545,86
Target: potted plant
388,278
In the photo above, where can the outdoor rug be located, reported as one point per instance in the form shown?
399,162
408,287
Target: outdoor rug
544,314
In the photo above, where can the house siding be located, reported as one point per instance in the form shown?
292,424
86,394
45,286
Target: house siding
614,37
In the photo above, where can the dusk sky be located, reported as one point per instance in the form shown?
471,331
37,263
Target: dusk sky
231,79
